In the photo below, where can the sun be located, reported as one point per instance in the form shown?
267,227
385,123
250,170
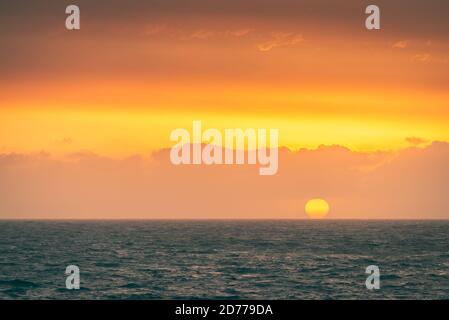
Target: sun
317,208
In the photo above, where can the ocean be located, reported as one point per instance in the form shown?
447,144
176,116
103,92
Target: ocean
224,259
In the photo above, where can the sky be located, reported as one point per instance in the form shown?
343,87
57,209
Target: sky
85,116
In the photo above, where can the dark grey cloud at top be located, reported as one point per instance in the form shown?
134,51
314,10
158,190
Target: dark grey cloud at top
406,17
116,41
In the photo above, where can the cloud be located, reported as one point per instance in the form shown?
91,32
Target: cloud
421,57
17,159
239,32
412,183
202,34
280,39
401,44
416,141
431,14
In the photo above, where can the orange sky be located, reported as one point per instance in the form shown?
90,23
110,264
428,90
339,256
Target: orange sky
137,70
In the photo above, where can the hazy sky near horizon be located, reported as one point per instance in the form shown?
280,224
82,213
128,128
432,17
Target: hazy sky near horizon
409,184
138,69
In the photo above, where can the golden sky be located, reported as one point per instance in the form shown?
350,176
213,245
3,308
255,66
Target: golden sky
136,71
139,69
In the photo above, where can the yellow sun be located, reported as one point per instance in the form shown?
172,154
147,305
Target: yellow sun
317,208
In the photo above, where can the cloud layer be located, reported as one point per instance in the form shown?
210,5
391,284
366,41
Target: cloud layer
412,183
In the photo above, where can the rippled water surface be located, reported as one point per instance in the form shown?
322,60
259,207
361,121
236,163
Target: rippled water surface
224,260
